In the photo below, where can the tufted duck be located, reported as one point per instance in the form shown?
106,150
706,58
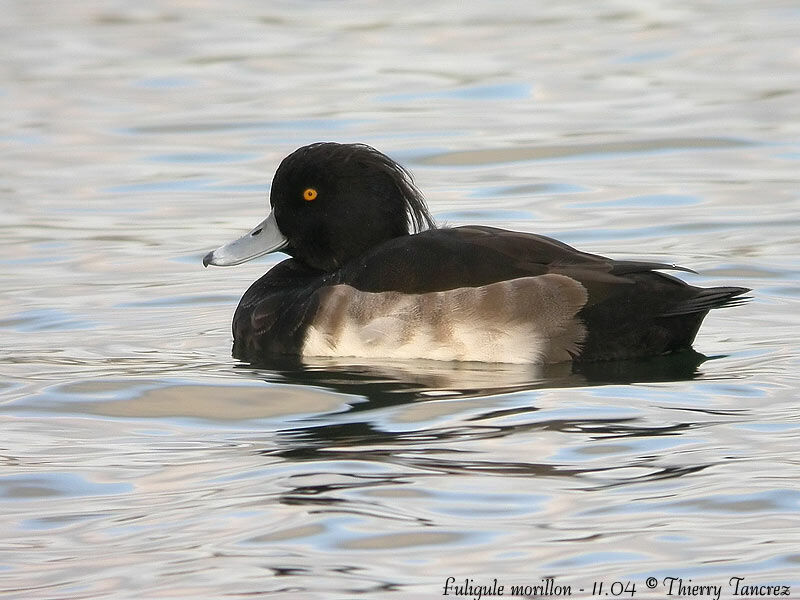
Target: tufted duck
370,275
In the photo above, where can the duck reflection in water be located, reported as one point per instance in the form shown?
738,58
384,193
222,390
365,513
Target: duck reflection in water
394,382
429,439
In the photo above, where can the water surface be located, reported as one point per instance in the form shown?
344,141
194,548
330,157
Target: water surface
139,460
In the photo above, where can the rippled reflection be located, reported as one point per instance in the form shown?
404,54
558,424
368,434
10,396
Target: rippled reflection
424,394
402,381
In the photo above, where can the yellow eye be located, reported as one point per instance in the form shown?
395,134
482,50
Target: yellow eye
310,194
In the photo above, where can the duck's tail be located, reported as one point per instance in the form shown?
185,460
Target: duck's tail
708,298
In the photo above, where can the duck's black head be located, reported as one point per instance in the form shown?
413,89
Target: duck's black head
333,202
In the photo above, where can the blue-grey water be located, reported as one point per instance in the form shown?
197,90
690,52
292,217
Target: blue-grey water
139,460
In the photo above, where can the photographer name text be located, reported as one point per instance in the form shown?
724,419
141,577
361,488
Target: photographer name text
734,587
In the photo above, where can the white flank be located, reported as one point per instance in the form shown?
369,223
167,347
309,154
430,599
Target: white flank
525,320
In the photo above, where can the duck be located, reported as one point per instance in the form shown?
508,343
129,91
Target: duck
370,275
